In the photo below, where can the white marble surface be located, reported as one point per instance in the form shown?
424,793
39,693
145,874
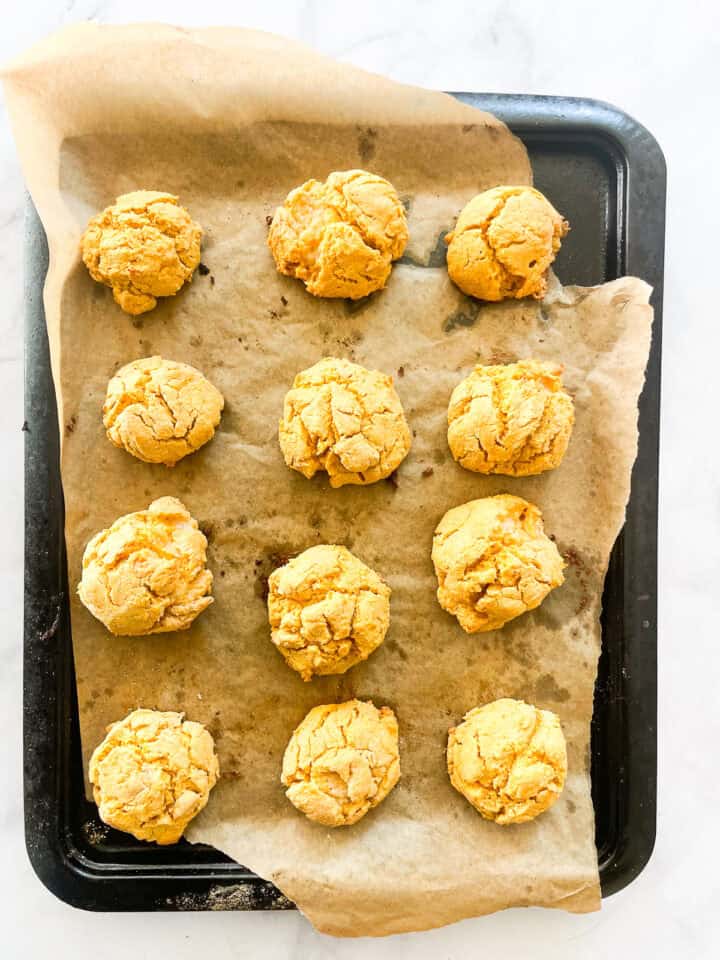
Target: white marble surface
659,64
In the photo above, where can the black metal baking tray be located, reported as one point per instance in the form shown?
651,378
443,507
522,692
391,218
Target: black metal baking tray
607,174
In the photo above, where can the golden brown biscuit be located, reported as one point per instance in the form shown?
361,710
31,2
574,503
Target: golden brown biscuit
143,246
146,573
503,244
160,410
152,774
328,611
494,561
346,420
341,236
342,761
508,759
513,419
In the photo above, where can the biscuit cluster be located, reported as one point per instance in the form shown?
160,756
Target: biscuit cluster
327,610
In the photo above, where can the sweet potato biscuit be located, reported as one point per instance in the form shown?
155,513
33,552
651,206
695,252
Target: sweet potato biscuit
513,419
346,420
160,410
328,611
342,761
146,573
503,244
152,774
340,236
143,246
508,759
494,561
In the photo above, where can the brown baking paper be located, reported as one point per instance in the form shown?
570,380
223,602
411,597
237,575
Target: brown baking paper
231,121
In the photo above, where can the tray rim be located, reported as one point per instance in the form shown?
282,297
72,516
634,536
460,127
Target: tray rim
56,859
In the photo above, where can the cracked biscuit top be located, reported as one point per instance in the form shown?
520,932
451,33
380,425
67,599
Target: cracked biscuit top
503,244
508,759
342,761
146,573
346,420
513,419
493,561
152,774
143,246
160,411
341,236
327,610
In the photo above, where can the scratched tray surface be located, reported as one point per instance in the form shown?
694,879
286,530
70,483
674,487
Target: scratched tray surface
607,175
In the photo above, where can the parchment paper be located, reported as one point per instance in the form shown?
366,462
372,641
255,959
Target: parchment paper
230,121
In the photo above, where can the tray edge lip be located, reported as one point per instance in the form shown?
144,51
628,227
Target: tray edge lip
602,115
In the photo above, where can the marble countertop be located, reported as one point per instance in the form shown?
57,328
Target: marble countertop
659,65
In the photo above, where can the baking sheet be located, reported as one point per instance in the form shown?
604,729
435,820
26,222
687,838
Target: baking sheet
232,137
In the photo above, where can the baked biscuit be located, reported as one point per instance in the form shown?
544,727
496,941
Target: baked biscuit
152,774
143,246
514,419
161,410
327,610
503,244
340,236
345,420
508,759
342,761
146,573
493,561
